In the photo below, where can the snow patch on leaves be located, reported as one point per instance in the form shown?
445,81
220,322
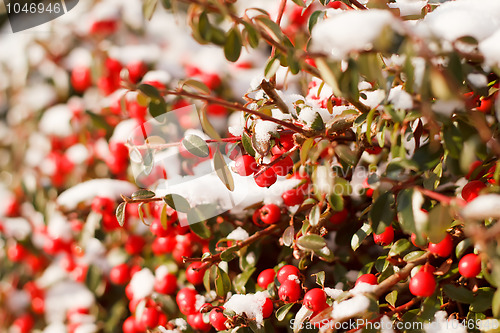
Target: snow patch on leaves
250,304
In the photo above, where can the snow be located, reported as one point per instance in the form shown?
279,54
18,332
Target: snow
293,277
483,207
333,292
478,80
447,107
122,131
350,308
238,234
64,296
16,227
263,130
350,31
408,7
77,153
86,191
400,98
142,283
373,98
490,48
59,227
386,325
455,19
442,325
17,301
57,121
249,304
362,288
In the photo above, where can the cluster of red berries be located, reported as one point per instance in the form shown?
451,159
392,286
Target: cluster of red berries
280,165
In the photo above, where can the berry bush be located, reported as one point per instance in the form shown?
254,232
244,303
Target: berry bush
252,166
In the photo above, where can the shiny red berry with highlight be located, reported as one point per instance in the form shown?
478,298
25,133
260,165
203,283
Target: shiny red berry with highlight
386,237
471,190
267,178
289,291
270,214
194,274
443,248
367,278
315,300
266,277
470,265
423,284
245,165
217,319
286,271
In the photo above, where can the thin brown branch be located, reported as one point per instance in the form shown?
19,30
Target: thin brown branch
271,92
358,4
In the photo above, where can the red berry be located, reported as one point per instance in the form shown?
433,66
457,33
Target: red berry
150,317
443,248
24,323
374,150
423,284
289,291
286,271
266,178
367,278
471,190
265,278
104,27
315,299
157,228
283,166
129,325
286,141
134,244
163,245
245,165
267,308
102,205
166,284
270,214
293,197
136,70
217,319
16,252
339,217
186,299
216,110
256,219
81,78
196,321
470,265
194,274
120,274
386,237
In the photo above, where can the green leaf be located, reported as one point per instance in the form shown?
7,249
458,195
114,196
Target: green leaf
382,214
441,220
288,236
167,4
241,280
196,145
283,311
120,213
164,217
482,299
271,67
148,8
318,123
314,18
400,246
157,108
495,304
143,194
229,254
414,255
392,297
300,3
302,315
251,35
304,151
177,202
346,154
222,283
328,74
360,236
223,171
247,144
336,202
270,26
462,246
320,278
406,215
200,229
232,46
312,242
314,216
195,85
459,294
150,91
